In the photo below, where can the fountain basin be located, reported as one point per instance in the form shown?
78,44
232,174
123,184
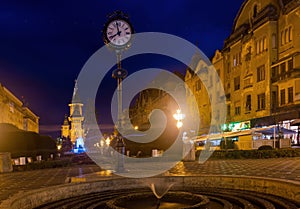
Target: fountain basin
98,192
171,200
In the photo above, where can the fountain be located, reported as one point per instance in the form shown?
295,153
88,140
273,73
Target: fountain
171,200
160,198
189,192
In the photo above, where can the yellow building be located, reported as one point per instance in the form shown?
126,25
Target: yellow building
72,126
13,111
259,65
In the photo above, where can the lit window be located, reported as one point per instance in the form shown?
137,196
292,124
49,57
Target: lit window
234,61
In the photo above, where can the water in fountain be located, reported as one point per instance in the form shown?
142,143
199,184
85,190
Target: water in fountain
159,187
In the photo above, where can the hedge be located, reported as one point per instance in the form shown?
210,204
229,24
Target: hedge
253,154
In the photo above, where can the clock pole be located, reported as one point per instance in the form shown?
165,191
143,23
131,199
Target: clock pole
117,34
120,74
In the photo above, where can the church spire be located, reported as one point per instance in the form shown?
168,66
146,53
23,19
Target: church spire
75,98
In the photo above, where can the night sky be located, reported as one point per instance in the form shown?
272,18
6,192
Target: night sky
44,45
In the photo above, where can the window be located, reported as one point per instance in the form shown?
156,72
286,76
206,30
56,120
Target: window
261,45
234,61
11,107
286,35
198,85
228,68
290,95
282,97
290,65
290,34
274,72
254,10
228,110
261,102
237,83
237,59
274,100
274,44
264,43
248,103
237,110
297,90
282,70
261,73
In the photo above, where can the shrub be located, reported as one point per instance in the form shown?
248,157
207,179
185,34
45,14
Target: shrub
253,154
265,147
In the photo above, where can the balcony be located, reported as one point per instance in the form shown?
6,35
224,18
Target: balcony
293,73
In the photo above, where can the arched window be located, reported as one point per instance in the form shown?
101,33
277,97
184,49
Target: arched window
290,34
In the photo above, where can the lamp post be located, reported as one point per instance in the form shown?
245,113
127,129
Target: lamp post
188,151
117,35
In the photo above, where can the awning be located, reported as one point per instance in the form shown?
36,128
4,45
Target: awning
295,122
270,131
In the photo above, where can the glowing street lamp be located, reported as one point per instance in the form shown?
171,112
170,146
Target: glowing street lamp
107,141
179,117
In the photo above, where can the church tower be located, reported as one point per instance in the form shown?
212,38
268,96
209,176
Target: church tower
65,128
76,118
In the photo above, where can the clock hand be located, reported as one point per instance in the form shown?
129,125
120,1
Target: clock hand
112,36
118,33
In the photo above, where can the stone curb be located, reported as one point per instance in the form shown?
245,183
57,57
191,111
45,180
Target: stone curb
26,200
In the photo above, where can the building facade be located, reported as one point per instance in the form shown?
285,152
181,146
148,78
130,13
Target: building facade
73,124
259,65
14,111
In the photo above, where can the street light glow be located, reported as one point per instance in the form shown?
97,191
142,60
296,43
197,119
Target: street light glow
179,117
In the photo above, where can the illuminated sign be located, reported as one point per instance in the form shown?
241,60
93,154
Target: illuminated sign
236,126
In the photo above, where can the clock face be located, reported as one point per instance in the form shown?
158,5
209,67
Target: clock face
118,32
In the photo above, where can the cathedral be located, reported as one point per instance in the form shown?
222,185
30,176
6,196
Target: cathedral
72,126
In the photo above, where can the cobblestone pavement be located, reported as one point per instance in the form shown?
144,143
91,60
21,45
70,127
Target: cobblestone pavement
12,183
281,168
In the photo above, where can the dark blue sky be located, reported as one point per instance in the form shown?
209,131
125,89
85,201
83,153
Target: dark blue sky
44,44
